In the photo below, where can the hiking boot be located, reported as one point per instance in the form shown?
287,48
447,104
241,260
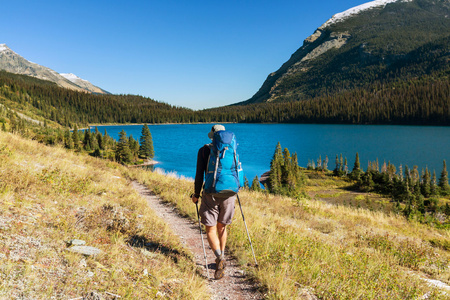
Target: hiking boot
220,268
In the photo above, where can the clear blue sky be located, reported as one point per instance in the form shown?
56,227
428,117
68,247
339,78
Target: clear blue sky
195,54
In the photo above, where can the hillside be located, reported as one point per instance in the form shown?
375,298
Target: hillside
328,242
423,100
50,198
391,43
66,107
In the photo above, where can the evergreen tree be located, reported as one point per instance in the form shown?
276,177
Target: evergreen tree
407,176
146,147
100,141
246,183
255,185
433,185
60,137
443,181
338,167
298,175
345,167
68,140
391,171
123,153
107,141
325,163
134,146
94,141
319,163
286,169
426,183
356,172
75,136
87,140
276,166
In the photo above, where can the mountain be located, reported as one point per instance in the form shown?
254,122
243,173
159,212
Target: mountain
83,83
379,42
14,63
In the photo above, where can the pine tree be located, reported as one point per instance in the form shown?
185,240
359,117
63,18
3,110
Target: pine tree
319,163
100,141
433,185
296,169
76,139
443,181
255,185
87,140
426,183
345,167
325,163
68,140
123,153
356,166
106,141
338,167
246,183
407,176
286,169
356,172
391,171
146,147
276,166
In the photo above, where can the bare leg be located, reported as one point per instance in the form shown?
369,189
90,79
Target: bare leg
222,232
213,239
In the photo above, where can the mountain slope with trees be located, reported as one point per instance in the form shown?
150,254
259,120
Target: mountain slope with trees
396,43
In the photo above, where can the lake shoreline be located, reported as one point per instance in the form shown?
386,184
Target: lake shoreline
176,146
147,163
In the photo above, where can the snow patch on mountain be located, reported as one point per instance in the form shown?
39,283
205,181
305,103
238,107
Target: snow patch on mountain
357,9
72,77
3,47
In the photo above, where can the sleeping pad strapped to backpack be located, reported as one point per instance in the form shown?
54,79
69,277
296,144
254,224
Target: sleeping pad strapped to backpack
224,175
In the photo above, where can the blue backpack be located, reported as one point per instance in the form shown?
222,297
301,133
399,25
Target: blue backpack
224,174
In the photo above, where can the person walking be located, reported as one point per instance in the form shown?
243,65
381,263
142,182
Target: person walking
216,211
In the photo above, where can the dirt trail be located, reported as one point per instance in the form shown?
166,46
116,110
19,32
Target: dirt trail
234,285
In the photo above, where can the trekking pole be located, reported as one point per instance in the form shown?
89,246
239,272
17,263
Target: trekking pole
203,243
248,235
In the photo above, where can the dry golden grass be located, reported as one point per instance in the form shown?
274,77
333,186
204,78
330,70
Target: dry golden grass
336,251
49,196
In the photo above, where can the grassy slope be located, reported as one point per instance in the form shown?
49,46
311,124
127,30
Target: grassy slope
49,196
337,251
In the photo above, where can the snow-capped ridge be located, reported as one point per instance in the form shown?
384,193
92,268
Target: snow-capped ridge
14,63
3,47
357,9
72,77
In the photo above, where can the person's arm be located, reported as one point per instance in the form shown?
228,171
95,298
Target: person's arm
202,158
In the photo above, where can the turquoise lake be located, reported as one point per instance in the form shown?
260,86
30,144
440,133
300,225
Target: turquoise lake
176,146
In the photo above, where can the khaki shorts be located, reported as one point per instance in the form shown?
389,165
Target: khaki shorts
216,209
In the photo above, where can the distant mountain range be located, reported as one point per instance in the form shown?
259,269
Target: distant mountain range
14,63
379,42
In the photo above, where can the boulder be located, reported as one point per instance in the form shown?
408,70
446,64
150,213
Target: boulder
85,250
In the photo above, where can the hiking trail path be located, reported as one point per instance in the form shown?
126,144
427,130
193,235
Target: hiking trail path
234,285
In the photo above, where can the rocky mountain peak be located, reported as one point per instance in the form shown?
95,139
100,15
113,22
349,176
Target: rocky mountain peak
14,63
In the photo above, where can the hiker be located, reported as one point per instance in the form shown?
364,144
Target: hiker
216,211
